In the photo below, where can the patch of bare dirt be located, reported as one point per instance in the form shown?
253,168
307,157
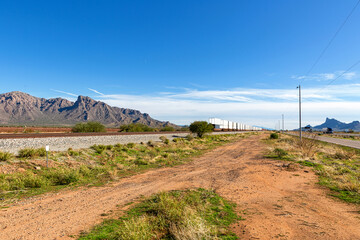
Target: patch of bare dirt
277,201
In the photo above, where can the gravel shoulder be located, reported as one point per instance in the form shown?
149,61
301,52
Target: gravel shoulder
278,202
339,141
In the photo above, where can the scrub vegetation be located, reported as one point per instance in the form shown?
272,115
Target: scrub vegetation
136,127
139,127
27,173
201,128
191,214
338,167
89,127
349,137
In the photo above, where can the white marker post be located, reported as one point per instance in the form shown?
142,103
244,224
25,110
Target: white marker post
47,148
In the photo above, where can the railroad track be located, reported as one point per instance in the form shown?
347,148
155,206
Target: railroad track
47,135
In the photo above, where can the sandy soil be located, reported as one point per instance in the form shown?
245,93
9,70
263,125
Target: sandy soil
278,201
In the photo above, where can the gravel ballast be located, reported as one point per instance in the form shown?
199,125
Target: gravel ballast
64,143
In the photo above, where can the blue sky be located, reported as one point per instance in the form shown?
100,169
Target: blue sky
187,60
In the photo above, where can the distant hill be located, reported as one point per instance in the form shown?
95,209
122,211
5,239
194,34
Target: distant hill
338,126
18,108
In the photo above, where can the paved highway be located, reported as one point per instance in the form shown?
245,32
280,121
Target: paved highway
343,142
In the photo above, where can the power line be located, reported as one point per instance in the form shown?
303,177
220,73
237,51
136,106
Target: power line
342,74
332,39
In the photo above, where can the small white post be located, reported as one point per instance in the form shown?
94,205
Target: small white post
47,148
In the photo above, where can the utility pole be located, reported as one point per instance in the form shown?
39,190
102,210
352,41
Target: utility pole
299,87
279,126
283,128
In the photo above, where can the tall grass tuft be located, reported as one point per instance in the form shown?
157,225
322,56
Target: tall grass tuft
183,215
5,156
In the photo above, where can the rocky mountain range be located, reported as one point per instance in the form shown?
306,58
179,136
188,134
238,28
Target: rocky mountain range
337,125
18,108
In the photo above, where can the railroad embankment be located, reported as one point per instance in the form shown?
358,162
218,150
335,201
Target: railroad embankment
77,142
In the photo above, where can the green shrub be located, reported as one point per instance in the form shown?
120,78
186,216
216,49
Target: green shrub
89,127
136,127
63,176
41,152
4,156
150,144
118,145
140,162
73,153
109,147
130,145
189,137
274,136
164,140
192,214
34,181
167,129
280,153
201,127
98,148
27,152
178,140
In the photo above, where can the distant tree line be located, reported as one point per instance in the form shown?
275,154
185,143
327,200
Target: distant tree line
132,127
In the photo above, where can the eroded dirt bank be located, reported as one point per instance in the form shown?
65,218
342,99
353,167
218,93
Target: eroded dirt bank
278,203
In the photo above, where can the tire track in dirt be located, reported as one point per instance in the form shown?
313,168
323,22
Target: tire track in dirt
279,204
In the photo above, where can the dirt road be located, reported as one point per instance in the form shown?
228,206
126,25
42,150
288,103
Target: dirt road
279,202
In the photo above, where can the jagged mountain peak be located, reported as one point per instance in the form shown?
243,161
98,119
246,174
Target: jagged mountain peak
337,125
22,108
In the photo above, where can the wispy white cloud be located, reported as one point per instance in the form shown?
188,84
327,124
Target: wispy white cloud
68,93
327,76
95,91
252,106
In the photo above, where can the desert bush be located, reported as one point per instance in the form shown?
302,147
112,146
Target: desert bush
140,161
73,153
89,127
274,136
41,152
280,153
130,145
344,155
136,127
164,140
118,145
98,148
109,147
5,156
184,129
167,129
19,181
27,152
150,144
192,214
201,127
31,152
309,145
189,137
63,176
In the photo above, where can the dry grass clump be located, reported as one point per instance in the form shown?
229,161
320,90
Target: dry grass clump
95,165
5,156
308,146
338,167
344,155
183,215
